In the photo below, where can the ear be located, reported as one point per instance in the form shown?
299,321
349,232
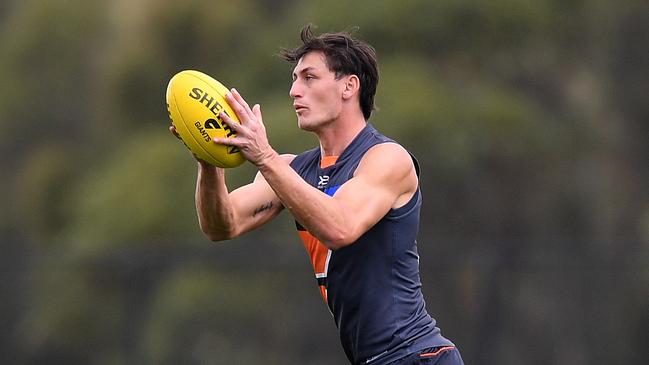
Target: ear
351,87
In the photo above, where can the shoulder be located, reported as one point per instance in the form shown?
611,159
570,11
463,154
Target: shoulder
390,168
298,161
287,157
389,157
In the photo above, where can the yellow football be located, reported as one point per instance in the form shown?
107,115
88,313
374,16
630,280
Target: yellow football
194,101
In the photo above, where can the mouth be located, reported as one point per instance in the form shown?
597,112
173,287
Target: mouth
299,108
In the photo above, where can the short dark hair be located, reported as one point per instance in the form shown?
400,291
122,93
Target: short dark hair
345,55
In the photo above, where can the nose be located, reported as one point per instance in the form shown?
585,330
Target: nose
295,90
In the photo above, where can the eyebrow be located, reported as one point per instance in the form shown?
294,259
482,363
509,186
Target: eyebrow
306,69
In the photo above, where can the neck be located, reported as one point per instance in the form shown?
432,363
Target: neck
335,137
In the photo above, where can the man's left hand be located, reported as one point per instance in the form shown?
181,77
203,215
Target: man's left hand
251,137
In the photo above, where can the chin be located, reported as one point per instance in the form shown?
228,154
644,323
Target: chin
305,125
311,124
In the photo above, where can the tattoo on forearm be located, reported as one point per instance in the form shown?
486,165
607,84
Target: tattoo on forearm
262,208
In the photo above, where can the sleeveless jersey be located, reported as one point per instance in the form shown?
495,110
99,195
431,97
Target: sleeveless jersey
372,286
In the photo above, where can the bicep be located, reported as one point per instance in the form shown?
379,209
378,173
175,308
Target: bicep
384,177
256,203
363,202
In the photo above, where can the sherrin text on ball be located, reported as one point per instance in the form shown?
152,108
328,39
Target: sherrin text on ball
194,101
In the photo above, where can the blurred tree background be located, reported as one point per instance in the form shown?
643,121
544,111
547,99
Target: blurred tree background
530,120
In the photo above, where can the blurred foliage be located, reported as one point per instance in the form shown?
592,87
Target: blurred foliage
529,119
142,189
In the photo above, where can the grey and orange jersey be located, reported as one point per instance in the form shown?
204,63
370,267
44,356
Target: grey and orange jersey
372,286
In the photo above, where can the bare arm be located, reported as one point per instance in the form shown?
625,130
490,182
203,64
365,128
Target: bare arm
224,215
385,179
216,215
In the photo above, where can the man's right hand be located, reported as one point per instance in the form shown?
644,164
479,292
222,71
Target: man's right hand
173,131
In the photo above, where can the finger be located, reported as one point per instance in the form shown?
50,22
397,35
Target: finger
233,141
238,100
256,110
238,108
202,162
173,131
234,125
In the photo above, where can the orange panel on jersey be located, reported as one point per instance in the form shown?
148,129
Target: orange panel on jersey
323,292
327,161
318,253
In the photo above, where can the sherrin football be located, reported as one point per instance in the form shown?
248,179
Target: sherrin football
194,101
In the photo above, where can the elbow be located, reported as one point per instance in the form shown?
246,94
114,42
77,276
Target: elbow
217,235
214,237
339,239
217,231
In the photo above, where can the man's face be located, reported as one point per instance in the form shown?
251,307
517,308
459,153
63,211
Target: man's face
317,95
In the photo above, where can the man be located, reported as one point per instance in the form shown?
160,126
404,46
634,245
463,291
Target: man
355,200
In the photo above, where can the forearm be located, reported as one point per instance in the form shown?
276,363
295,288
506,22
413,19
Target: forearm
216,215
319,213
